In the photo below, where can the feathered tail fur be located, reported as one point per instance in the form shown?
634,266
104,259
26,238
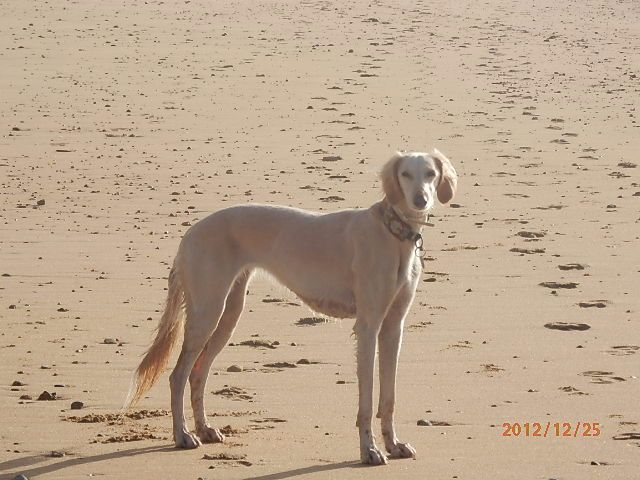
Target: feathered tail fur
168,332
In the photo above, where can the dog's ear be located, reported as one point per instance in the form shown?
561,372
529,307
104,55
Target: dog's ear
389,177
448,177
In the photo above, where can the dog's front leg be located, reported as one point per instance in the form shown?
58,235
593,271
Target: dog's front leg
367,334
375,286
390,339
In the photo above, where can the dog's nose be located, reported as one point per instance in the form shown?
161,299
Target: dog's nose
419,201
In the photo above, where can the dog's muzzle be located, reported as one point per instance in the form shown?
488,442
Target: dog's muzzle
420,201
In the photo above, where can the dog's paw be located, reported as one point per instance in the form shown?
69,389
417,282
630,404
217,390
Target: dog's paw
186,439
402,450
208,434
372,456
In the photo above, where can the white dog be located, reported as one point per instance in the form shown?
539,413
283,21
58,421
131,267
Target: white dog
361,263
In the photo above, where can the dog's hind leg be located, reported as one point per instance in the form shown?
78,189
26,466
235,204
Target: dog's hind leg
206,289
215,344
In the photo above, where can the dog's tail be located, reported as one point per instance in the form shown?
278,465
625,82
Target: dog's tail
168,331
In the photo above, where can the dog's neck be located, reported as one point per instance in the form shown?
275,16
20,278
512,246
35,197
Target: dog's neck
401,225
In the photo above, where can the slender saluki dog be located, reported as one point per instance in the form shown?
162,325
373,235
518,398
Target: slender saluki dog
360,263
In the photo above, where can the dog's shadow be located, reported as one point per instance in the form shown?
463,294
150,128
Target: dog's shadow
27,465
308,470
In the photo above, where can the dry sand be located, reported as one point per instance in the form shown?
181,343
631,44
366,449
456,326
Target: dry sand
131,120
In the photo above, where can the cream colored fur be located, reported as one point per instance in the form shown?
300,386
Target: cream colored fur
342,264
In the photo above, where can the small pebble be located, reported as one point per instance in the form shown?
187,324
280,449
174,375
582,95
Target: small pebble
110,341
40,202
47,396
76,405
303,361
21,477
424,423
56,454
17,383
235,368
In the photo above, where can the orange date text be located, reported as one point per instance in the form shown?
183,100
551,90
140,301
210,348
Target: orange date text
551,429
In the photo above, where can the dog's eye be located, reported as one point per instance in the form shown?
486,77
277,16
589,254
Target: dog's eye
406,175
430,174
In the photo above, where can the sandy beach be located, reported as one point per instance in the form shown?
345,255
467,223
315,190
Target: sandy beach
124,122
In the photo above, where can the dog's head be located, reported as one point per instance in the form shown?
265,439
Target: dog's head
413,180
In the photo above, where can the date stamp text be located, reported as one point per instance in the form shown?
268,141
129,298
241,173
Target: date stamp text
551,429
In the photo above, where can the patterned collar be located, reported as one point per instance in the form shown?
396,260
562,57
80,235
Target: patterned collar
397,226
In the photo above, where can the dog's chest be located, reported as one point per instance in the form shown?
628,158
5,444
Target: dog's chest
409,269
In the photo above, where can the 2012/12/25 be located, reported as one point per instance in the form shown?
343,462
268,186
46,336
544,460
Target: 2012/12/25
557,429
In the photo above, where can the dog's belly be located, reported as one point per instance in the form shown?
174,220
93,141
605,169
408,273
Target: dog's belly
343,307
325,290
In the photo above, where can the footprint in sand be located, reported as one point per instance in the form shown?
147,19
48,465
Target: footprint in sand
133,435
572,390
257,343
628,436
621,350
601,377
117,417
554,285
268,420
531,235
550,207
224,456
331,198
229,431
280,365
310,321
567,327
419,325
627,165
280,301
572,266
527,251
593,303
433,423
234,393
